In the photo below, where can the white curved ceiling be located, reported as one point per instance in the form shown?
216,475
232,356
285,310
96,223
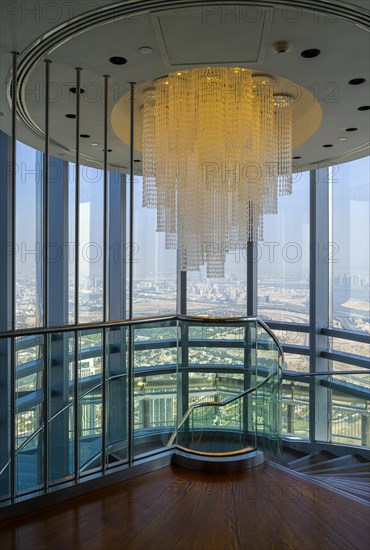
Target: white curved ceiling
189,37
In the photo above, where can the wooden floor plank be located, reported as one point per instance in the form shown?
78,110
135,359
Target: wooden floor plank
174,508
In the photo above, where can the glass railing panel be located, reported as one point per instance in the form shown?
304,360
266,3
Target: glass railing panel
268,406
202,330
90,399
215,430
155,345
29,464
218,356
117,395
155,383
216,417
61,410
5,419
29,416
349,406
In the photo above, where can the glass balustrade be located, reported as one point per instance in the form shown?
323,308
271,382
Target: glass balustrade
115,393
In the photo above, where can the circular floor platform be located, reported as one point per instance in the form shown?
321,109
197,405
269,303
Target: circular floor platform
228,463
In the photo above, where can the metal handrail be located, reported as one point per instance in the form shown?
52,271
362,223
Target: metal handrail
132,322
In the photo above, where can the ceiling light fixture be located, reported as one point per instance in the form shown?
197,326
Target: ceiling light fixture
85,136
363,108
116,60
356,81
73,90
70,115
217,152
342,138
328,145
351,129
145,50
310,53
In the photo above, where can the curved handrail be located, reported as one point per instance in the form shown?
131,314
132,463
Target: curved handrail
271,333
121,323
216,404
240,395
138,322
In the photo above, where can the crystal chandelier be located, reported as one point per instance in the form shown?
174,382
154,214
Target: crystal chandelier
217,152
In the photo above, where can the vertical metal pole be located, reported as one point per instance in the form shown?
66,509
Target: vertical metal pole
45,414
77,202
46,190
45,274
77,271
13,272
13,185
131,264
105,277
181,296
250,330
252,255
105,213
131,280
76,415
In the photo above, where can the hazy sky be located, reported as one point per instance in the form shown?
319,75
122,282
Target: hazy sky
285,246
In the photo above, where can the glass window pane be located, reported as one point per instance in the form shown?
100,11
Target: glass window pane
350,252
154,264
296,362
91,243
349,407
219,297
295,410
29,232
283,258
350,346
294,338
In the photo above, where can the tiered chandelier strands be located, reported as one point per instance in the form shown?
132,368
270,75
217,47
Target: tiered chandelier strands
217,152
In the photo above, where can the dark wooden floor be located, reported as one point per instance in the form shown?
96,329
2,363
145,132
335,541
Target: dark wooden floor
174,508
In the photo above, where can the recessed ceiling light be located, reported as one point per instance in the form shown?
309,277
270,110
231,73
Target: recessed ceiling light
145,50
312,52
73,90
363,108
137,160
356,81
328,145
85,136
297,157
70,115
109,150
94,144
116,60
351,129
342,138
